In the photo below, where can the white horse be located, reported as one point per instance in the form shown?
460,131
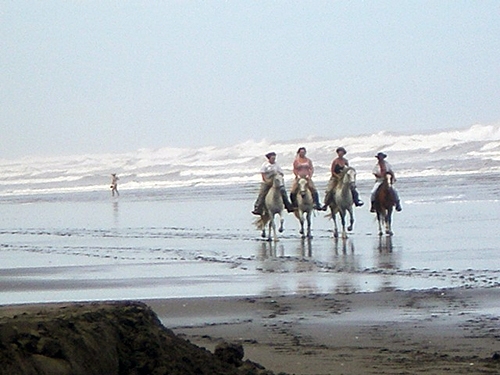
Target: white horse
304,206
342,201
273,205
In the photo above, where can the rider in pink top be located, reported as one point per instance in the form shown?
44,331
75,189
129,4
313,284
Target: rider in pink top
303,168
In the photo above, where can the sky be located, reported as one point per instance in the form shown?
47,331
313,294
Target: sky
82,76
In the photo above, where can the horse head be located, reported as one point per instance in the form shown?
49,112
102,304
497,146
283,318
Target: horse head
348,175
278,181
303,184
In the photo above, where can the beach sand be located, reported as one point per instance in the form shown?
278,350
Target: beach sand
440,331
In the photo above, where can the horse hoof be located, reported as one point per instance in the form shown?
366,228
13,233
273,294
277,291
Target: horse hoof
389,233
281,230
349,228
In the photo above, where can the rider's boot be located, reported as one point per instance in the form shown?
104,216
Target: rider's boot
317,205
372,207
293,199
328,200
355,197
396,199
286,202
258,207
398,206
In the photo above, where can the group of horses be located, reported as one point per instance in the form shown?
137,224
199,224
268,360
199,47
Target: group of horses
341,205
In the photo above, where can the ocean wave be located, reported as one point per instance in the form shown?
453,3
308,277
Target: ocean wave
474,150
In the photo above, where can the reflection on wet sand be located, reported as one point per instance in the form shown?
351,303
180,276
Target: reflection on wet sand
346,263
386,260
386,257
306,247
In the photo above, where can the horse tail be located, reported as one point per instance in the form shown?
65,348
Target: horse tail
261,222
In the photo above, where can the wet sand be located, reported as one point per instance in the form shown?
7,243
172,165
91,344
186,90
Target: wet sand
440,331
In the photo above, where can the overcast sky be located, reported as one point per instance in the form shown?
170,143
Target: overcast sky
111,76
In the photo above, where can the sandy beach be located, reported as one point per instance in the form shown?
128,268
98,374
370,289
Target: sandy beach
440,331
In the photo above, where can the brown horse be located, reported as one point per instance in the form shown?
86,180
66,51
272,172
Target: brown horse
384,203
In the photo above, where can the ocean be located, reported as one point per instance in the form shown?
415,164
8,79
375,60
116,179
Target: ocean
182,226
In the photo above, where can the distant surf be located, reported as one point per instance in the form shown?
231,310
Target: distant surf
471,151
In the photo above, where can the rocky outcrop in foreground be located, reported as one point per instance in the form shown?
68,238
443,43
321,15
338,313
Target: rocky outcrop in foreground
122,338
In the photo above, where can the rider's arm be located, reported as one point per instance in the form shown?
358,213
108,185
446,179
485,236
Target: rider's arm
332,168
295,172
311,168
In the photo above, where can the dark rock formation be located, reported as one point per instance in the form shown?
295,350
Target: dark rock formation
120,338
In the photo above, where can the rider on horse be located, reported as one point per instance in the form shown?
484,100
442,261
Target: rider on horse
338,165
381,170
268,170
303,168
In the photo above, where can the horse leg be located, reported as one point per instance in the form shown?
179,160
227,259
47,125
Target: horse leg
275,233
302,232
335,228
270,229
388,220
351,219
301,221
281,228
308,217
380,218
342,221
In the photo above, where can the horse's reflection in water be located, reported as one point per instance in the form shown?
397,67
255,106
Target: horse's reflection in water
271,250
346,264
385,257
343,246
305,248
387,261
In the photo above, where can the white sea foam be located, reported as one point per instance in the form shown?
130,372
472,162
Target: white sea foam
457,152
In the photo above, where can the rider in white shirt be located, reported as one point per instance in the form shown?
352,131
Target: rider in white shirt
268,170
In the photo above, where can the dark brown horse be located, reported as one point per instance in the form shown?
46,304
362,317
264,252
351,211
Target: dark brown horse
384,204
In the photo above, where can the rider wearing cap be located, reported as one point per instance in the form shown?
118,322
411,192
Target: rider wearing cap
268,170
303,168
338,165
381,170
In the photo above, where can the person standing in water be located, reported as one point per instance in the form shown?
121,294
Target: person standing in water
114,184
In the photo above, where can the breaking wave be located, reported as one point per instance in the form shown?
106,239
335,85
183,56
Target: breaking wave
470,151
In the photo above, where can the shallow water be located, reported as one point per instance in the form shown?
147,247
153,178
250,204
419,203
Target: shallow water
202,243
